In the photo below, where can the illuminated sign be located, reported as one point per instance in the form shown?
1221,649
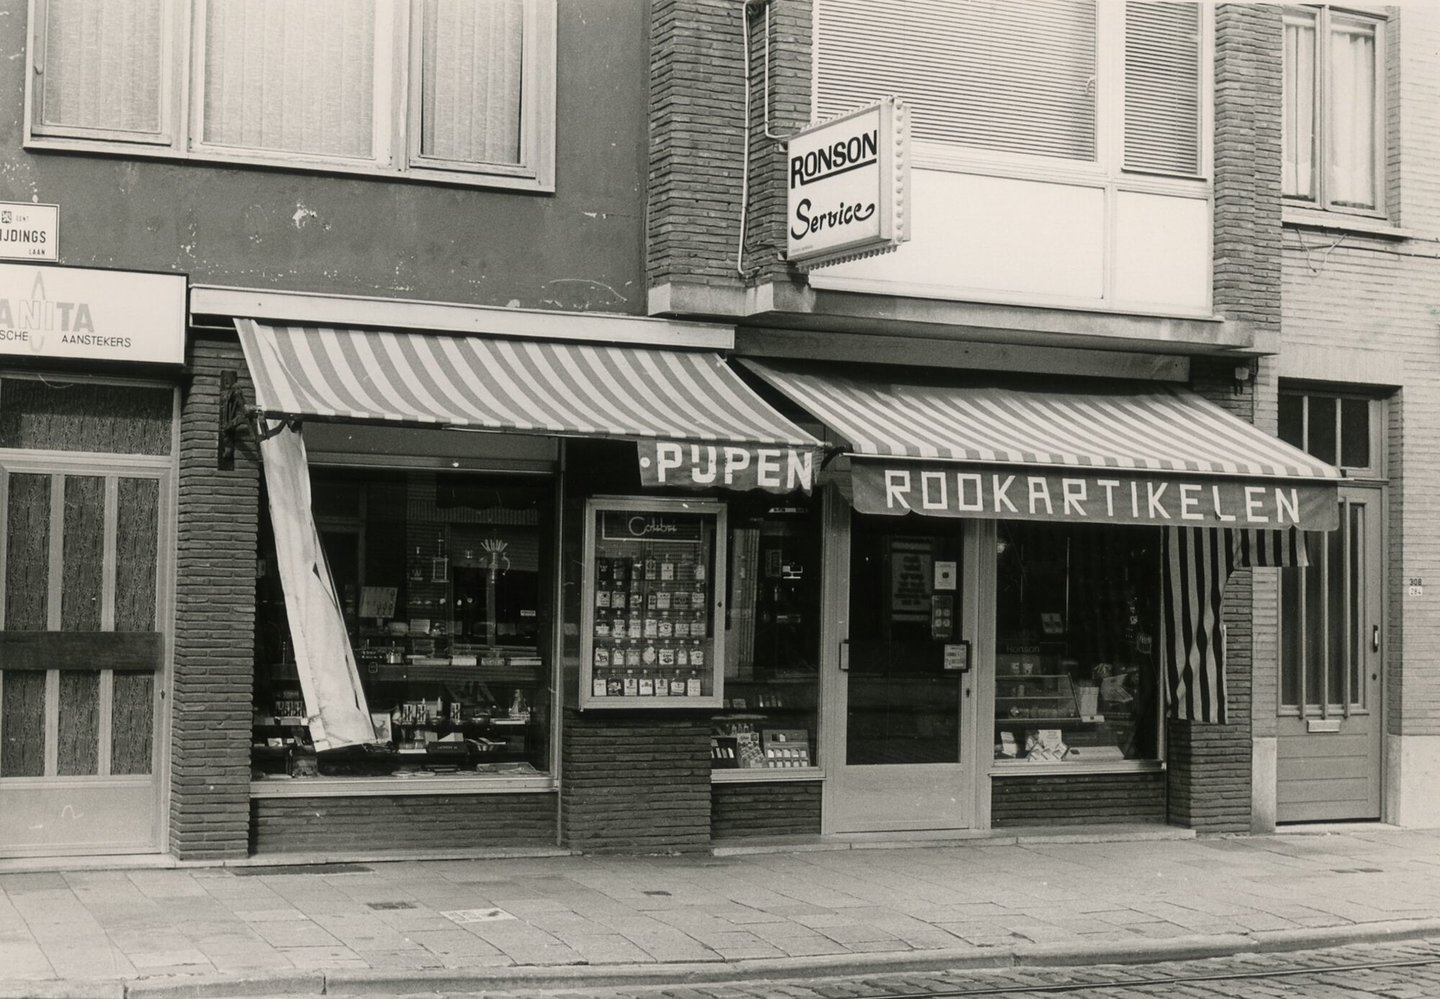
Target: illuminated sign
76,312
848,182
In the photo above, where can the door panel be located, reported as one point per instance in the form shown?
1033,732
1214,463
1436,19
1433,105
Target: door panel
901,708
82,655
1329,746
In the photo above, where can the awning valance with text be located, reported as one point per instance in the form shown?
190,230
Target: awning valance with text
1110,452
494,383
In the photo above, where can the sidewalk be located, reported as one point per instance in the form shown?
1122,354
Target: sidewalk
551,921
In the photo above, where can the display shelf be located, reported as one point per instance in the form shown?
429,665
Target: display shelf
650,634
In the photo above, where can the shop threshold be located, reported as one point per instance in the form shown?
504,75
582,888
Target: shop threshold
905,840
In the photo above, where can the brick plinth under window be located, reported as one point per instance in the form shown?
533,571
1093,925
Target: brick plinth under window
635,783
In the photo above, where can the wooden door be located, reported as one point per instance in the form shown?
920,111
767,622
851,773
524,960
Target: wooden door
1329,751
83,652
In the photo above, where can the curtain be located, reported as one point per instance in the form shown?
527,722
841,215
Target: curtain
1197,563
1350,173
1299,109
329,679
290,75
471,79
102,65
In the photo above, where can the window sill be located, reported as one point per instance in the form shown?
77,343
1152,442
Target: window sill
1019,768
352,787
766,775
516,181
1314,218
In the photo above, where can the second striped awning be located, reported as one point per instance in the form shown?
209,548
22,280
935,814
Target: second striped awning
540,387
1111,452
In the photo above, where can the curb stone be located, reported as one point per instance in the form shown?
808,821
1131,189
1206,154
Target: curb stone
1138,951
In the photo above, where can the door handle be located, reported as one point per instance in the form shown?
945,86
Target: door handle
845,655
1374,638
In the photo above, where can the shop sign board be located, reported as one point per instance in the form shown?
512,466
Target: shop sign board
1099,497
708,466
649,526
29,231
97,315
848,182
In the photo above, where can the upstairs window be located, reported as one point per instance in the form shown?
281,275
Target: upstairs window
1026,78
428,88
1334,94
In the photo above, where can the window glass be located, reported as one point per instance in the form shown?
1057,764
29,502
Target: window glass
1299,104
1292,420
1076,654
902,703
986,74
293,76
49,415
1331,106
471,80
456,86
772,639
1320,427
1350,163
1162,87
102,67
444,581
1355,433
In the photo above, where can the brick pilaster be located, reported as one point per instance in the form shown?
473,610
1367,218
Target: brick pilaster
214,620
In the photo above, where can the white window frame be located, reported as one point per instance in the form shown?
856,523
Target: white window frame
1321,17
396,140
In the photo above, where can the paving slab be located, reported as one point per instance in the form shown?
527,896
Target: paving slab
491,920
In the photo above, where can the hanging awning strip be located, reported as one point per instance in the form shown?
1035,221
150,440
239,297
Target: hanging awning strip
1132,426
488,383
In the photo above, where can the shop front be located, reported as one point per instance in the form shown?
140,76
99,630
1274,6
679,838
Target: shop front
1024,581
477,551
644,609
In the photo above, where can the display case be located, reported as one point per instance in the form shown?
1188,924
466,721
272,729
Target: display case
651,625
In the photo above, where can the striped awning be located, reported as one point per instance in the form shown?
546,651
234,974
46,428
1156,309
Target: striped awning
573,389
1122,452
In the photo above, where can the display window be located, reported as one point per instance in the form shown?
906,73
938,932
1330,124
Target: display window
767,720
1076,656
445,584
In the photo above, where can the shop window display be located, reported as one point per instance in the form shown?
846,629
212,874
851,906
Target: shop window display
772,639
445,585
1077,657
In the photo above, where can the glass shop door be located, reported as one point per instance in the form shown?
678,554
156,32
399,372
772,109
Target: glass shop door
901,697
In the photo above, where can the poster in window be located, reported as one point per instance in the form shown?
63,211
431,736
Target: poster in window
910,579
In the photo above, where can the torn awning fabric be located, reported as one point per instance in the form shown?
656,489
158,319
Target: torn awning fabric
1198,562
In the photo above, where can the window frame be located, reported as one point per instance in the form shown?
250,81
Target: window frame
1376,417
398,76
1322,17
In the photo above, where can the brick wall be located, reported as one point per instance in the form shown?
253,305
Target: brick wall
214,620
401,822
1247,144
739,811
696,125
1077,799
635,782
